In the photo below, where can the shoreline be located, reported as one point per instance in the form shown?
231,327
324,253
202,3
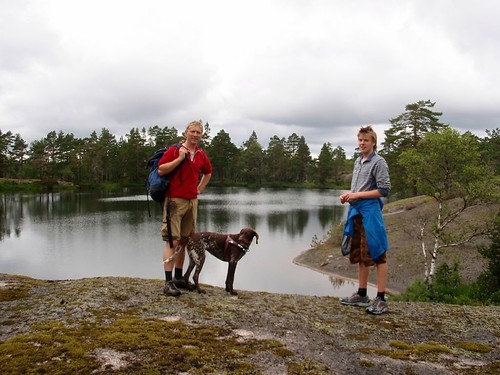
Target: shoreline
324,272
297,260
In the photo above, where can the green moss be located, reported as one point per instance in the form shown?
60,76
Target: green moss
400,345
473,346
309,367
18,290
283,352
410,371
432,348
131,322
404,351
394,354
358,336
146,343
365,363
12,294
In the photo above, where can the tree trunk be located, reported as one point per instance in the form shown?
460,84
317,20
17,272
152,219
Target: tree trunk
424,252
437,239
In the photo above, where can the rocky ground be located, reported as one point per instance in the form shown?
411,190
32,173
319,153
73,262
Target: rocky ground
121,325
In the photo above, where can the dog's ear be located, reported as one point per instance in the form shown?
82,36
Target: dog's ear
254,232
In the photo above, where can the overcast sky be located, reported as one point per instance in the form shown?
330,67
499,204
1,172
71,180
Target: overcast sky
319,69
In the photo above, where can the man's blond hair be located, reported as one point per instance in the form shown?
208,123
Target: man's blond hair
195,123
369,130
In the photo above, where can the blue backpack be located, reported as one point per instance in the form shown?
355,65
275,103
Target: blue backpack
156,185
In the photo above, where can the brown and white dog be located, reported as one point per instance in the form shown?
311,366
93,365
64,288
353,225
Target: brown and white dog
226,247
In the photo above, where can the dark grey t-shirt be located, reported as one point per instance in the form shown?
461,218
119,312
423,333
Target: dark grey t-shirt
371,174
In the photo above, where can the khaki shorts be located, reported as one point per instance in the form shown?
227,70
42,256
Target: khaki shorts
182,218
359,246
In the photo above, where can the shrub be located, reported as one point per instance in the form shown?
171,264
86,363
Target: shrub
448,287
487,286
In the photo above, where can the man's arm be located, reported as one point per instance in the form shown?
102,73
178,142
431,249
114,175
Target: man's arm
370,194
204,182
168,167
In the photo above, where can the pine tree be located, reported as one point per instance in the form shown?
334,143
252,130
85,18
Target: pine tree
405,133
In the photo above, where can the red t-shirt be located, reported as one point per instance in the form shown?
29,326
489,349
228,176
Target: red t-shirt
184,183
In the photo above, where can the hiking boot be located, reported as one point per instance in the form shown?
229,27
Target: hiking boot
377,307
170,289
356,300
183,284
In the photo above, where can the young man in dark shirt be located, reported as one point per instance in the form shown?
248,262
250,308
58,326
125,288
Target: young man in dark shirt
365,224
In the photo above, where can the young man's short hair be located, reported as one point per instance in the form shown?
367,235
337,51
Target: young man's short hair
369,130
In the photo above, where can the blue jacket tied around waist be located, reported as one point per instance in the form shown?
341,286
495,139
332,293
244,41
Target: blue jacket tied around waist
373,222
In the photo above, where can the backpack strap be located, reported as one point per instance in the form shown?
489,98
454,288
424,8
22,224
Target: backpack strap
167,216
169,228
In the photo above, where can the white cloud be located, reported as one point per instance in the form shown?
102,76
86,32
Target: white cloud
317,68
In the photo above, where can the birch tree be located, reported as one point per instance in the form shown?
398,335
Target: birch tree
447,167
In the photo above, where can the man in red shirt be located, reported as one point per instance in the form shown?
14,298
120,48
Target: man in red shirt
181,202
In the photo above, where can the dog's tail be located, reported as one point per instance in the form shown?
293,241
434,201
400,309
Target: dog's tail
176,252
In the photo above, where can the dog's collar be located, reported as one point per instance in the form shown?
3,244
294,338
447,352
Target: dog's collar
229,240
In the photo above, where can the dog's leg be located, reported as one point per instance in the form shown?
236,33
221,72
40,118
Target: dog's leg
230,277
188,272
199,266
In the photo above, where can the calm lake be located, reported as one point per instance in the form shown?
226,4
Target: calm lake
78,235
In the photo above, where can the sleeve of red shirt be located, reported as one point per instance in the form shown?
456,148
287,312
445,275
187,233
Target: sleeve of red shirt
207,167
169,155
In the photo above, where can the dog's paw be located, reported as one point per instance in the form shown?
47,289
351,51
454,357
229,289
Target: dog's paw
183,283
202,291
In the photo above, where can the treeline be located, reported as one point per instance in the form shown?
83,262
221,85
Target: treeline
101,158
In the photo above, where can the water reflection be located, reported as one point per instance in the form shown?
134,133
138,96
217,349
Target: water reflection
74,235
